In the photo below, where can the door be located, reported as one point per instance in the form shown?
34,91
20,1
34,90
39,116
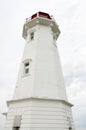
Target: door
16,128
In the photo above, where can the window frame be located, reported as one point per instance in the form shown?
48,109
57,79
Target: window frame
26,67
29,33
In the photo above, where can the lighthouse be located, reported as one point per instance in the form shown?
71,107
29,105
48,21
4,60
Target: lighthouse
40,101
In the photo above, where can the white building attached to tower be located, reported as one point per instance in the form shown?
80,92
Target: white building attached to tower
40,100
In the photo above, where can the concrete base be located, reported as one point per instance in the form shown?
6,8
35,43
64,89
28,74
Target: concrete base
40,114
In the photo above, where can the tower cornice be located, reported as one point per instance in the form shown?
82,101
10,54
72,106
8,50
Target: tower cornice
41,21
37,98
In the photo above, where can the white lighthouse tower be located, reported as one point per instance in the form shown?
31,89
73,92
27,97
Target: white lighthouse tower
40,101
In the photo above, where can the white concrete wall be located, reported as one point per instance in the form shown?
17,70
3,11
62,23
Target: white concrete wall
39,114
45,78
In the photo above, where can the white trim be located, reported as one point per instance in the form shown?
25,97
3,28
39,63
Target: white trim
40,98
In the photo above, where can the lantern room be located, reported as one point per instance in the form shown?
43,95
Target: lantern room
40,18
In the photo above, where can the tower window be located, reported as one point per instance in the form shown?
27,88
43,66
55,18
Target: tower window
32,36
26,68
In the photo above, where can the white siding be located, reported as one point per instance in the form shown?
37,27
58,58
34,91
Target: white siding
40,114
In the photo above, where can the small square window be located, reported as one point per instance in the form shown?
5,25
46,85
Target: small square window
32,36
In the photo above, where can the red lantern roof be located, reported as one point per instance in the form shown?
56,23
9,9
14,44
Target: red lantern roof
41,14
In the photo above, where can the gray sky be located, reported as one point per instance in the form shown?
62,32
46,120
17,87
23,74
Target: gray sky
71,18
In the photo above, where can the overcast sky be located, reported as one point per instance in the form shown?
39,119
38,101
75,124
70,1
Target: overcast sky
71,18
